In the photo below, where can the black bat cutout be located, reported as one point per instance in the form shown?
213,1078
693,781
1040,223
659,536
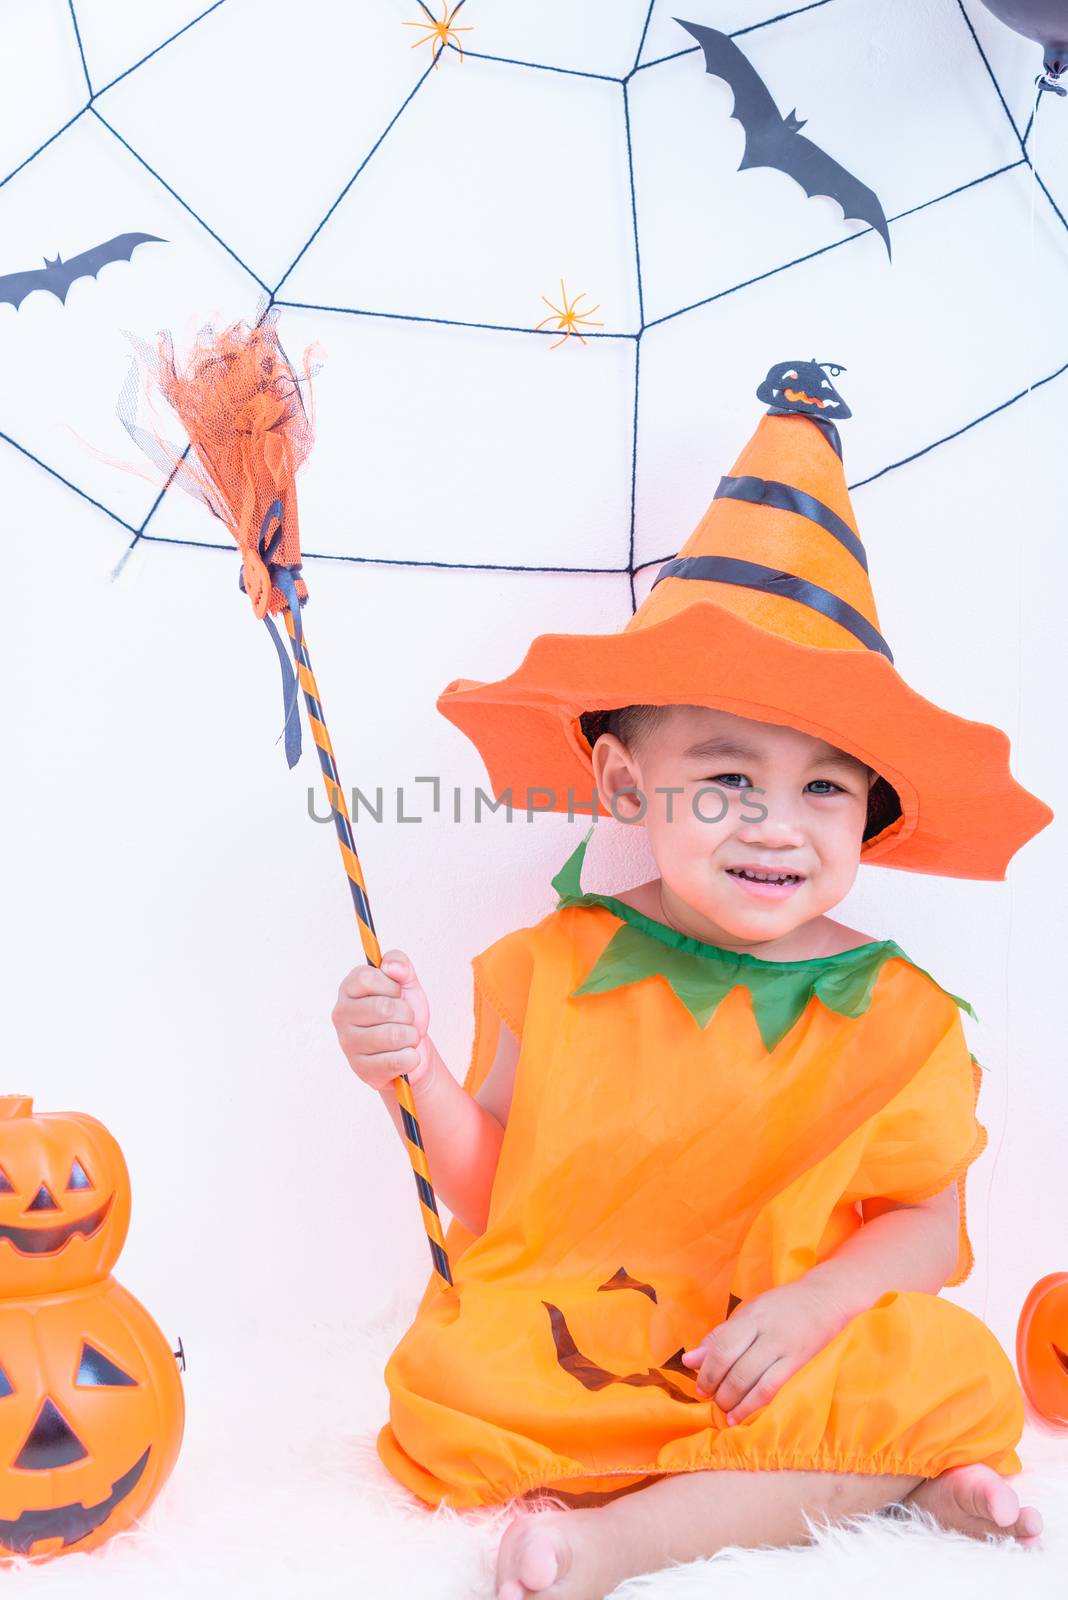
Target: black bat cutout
56,277
772,140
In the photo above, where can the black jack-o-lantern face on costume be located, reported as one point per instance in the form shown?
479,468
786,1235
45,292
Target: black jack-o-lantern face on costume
805,388
592,1375
91,1418
64,1199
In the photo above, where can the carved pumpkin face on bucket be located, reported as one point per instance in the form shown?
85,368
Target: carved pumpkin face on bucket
1042,1347
64,1199
91,1418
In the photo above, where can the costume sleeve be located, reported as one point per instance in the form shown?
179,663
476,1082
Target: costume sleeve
502,974
927,1136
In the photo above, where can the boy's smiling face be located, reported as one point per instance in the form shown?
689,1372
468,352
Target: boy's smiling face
776,800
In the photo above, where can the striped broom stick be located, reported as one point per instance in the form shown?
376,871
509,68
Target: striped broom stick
366,927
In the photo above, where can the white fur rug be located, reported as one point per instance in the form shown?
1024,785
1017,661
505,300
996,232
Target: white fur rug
279,1492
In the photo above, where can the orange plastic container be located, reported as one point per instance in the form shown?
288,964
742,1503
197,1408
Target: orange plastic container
1042,1348
91,1403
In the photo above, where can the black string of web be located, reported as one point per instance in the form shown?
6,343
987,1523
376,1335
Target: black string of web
274,296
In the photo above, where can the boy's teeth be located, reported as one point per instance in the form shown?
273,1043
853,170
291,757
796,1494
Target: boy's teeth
764,877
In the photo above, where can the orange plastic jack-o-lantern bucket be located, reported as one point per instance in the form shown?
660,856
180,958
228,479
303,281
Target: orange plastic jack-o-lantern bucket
91,1405
64,1199
91,1418
1042,1347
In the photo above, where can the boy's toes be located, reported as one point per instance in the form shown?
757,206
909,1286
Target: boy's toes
532,1555
990,1497
996,1501
976,1500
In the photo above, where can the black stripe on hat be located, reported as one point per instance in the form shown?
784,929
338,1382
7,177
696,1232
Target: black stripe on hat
785,497
726,569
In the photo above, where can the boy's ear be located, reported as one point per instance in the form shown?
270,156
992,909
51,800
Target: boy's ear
610,758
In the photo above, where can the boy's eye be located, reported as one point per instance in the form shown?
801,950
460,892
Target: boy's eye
725,778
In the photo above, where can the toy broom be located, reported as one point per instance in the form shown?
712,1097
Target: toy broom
249,430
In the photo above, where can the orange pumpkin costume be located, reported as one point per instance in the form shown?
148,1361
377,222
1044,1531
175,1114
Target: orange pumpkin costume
651,1169
690,1127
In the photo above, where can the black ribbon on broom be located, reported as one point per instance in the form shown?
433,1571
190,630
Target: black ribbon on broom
282,577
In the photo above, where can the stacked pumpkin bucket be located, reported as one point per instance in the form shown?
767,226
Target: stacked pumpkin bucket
91,1403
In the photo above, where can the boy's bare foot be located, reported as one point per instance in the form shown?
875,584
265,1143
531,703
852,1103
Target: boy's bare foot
576,1553
584,1554
976,1500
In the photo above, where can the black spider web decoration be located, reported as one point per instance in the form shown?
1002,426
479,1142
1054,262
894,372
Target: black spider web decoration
274,296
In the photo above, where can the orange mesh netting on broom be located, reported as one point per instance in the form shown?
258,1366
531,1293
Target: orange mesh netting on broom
249,430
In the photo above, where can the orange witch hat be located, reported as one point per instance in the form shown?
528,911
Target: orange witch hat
767,611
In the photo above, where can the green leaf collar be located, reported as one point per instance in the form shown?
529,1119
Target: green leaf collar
701,974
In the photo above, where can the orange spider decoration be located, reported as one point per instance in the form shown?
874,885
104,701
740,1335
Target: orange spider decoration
440,30
569,317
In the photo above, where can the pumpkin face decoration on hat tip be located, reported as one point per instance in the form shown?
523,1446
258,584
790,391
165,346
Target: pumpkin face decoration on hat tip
1042,1348
804,387
91,1419
64,1199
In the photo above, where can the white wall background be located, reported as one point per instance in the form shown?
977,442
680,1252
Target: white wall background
176,927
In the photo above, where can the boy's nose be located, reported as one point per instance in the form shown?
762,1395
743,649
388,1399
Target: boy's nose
781,826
